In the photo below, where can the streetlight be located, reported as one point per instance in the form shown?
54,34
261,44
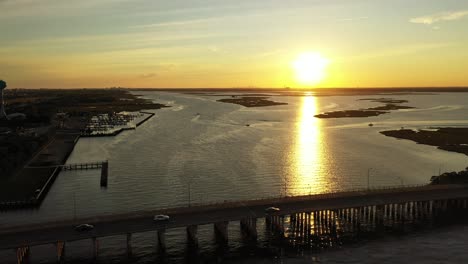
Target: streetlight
401,180
368,178
189,192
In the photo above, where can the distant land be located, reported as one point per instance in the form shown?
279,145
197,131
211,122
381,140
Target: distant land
390,104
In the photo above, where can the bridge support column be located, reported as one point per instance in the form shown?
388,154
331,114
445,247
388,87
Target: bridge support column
192,236
129,244
95,248
61,251
320,223
402,216
358,218
221,232
300,225
249,228
104,173
309,229
162,240
23,255
275,224
379,218
435,211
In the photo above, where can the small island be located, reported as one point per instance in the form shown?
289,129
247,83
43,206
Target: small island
447,138
385,100
390,105
251,101
350,113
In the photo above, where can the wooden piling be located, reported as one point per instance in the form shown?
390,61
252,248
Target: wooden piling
104,173
61,251
95,248
221,232
162,240
129,244
192,235
23,255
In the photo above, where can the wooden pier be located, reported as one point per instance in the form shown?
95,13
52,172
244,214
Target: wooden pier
84,166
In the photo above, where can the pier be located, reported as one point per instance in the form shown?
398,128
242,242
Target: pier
311,221
84,166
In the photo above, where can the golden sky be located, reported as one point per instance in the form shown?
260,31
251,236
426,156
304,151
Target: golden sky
243,43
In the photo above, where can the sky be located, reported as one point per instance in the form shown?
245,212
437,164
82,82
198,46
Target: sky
224,43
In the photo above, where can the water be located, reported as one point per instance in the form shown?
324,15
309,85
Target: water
202,151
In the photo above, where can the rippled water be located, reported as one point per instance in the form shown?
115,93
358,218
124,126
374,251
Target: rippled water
200,151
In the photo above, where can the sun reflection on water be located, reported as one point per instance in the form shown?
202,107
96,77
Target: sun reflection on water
308,158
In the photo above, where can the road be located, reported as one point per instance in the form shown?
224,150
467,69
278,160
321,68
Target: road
199,215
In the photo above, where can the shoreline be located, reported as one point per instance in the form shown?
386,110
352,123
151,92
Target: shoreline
66,113
453,139
390,104
250,101
35,201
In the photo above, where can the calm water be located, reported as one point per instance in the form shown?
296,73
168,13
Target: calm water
201,151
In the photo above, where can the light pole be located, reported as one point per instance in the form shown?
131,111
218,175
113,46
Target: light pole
189,191
368,178
401,180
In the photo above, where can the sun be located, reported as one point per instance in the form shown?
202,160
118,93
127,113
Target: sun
310,67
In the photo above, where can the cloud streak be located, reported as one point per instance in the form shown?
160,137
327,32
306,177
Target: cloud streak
439,17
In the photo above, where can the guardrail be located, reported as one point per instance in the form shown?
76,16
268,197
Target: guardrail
135,214
233,203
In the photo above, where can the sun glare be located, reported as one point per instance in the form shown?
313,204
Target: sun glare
310,68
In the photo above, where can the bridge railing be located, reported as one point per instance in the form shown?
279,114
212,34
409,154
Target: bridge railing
317,196
229,203
330,194
333,194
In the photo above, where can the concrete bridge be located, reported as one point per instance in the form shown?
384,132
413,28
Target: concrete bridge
304,219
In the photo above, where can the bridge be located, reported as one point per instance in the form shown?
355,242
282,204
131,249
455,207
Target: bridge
303,218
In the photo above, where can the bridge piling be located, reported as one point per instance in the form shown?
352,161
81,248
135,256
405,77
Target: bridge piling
308,227
358,219
95,248
301,227
379,218
104,173
23,255
333,225
249,228
304,227
61,251
129,244
162,240
192,236
279,226
221,232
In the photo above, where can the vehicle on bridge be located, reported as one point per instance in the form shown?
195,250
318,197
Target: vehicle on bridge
272,209
161,218
84,227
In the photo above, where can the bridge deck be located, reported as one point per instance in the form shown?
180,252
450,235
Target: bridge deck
198,215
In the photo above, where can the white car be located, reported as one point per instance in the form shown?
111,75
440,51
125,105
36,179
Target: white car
161,218
84,227
272,209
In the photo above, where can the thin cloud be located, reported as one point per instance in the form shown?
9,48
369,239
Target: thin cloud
148,75
435,18
403,50
353,19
